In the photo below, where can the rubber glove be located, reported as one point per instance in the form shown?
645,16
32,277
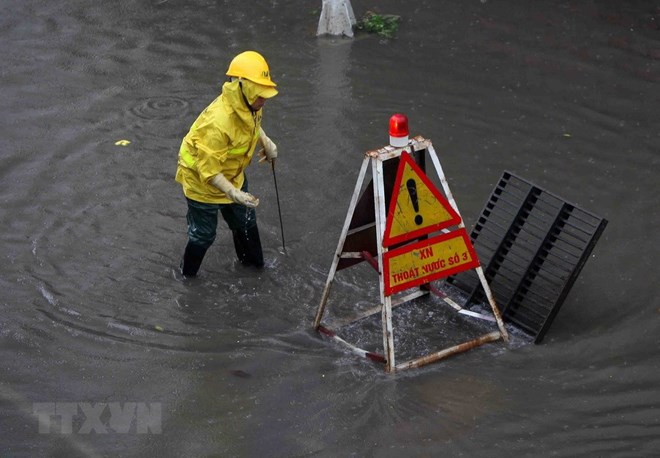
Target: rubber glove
269,151
235,194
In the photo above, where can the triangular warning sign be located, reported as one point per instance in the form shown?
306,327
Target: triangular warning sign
417,207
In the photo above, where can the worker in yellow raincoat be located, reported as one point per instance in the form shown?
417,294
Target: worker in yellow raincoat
212,160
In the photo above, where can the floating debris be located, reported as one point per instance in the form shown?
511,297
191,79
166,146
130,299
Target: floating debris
385,25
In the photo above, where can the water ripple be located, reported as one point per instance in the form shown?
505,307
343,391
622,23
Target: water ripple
160,108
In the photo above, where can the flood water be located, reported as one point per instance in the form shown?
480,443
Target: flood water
564,93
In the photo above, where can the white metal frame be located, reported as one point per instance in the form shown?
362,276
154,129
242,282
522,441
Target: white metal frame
376,158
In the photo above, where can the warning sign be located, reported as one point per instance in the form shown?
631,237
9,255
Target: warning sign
428,260
417,207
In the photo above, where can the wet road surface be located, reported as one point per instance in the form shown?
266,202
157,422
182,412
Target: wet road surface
564,93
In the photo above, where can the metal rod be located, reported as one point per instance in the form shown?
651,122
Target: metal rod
373,310
279,209
457,307
386,301
357,350
442,354
370,259
480,271
493,305
340,245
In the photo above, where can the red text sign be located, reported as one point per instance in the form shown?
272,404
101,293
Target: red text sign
427,260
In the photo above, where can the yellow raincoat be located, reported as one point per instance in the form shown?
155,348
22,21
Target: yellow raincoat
221,140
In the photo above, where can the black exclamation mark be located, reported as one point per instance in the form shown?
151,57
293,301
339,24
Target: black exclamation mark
412,190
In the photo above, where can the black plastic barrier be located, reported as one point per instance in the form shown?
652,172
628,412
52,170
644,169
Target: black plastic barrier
532,245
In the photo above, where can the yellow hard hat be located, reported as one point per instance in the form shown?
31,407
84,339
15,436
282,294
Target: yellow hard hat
252,66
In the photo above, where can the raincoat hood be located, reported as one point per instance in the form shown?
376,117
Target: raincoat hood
233,96
252,90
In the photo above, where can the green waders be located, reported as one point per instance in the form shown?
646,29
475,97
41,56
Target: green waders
202,225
